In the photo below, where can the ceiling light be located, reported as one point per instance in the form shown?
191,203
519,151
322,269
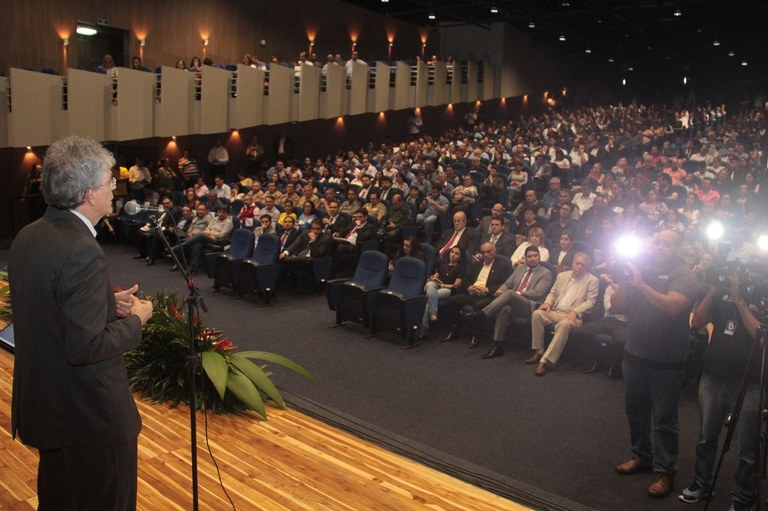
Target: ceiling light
744,63
731,53
566,4
588,50
385,1
610,59
623,81
630,68
531,24
678,13
562,37
87,31
431,16
716,43
494,9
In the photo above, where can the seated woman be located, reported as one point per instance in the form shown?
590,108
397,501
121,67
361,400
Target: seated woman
562,256
535,238
411,247
307,215
441,284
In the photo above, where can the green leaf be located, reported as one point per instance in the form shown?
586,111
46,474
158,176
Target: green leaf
258,377
279,359
217,369
244,389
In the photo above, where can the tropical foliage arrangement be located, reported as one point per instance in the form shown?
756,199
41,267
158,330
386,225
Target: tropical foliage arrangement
6,313
157,369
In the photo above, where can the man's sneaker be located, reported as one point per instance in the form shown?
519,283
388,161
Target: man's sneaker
693,494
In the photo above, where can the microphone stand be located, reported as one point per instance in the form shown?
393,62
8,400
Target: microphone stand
194,303
733,418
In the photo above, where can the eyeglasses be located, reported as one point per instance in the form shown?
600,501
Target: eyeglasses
112,183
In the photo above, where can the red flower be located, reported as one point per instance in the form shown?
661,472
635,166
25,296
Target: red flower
224,345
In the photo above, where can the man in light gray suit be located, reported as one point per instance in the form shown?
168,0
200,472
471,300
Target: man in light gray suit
574,293
518,296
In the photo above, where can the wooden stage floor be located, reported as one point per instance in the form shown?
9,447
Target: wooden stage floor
291,462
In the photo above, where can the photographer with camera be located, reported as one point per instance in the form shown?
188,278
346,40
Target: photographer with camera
725,363
659,302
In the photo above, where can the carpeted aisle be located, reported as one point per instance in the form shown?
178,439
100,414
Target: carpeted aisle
549,442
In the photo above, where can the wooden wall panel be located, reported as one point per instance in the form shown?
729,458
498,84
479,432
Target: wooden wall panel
38,116
32,32
90,100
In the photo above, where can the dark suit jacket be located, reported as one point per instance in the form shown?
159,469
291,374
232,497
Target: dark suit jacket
496,277
505,245
366,232
70,384
468,242
293,235
339,224
320,247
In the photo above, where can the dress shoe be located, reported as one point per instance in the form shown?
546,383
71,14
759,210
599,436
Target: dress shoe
634,465
661,486
474,342
448,338
534,358
542,369
473,315
150,262
175,267
495,352
138,256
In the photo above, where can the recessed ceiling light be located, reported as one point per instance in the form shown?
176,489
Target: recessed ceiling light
588,50
678,12
562,37
494,9
630,68
431,16
716,43
744,63
531,24
610,59
731,53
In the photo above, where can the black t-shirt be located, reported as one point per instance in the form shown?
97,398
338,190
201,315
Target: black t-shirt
729,348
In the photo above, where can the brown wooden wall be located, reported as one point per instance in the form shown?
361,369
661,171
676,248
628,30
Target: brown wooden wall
31,32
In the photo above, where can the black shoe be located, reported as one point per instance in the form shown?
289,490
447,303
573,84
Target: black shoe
150,262
447,338
496,351
474,342
175,267
473,316
139,256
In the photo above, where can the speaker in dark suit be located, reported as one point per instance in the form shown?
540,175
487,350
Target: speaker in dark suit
71,398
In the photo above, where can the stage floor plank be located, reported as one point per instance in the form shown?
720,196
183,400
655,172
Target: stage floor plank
291,462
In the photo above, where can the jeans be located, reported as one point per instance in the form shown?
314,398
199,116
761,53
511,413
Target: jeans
434,294
193,248
428,224
717,397
652,396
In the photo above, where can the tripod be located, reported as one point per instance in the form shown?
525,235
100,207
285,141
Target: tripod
733,419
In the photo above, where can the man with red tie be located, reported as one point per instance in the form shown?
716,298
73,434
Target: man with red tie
519,296
460,236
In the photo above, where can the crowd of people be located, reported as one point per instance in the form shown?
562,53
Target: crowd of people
524,215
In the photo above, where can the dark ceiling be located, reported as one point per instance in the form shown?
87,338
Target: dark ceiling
668,36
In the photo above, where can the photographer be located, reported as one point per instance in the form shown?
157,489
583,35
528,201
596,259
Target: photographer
658,302
735,326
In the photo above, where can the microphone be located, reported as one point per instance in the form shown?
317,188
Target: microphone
134,208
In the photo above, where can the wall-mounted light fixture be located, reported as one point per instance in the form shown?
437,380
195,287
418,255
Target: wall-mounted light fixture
65,41
86,30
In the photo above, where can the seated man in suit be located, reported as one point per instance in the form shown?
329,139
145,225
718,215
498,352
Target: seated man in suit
290,233
460,236
499,238
519,296
347,243
484,278
313,243
497,211
574,293
335,223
